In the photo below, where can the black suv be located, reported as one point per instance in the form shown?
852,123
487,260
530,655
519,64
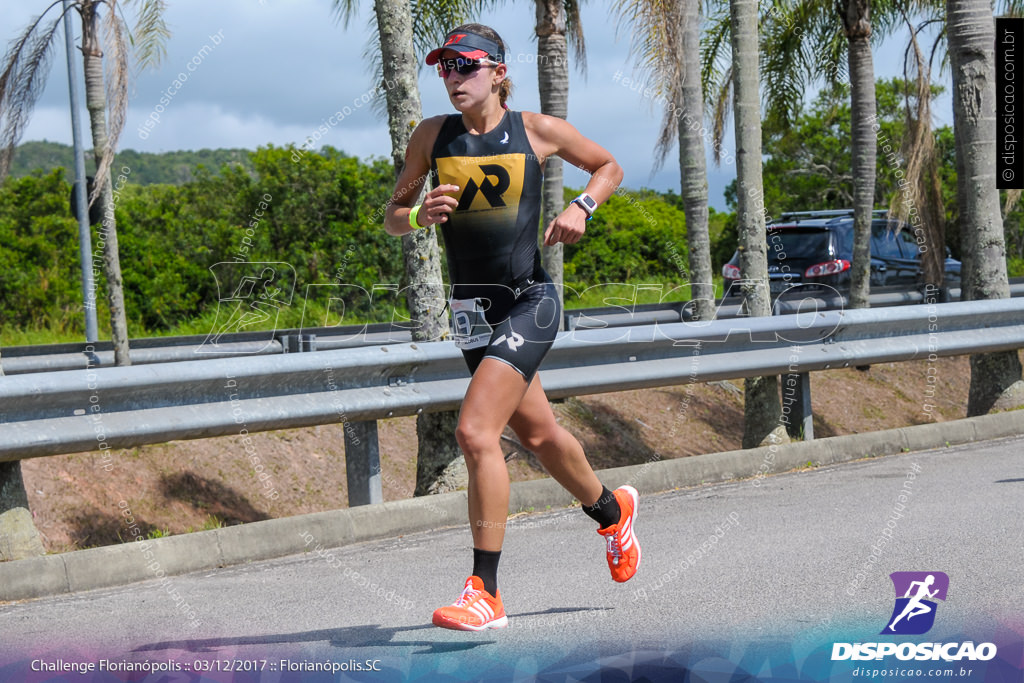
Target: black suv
816,248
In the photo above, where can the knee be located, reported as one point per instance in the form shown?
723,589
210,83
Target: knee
539,440
473,441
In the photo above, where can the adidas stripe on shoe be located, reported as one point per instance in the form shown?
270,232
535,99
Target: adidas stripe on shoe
622,546
475,610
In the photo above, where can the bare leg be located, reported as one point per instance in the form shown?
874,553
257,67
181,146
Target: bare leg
493,395
558,450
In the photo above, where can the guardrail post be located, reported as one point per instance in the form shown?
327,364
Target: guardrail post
362,463
297,343
796,395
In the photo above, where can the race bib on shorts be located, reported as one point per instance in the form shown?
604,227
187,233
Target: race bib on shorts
469,326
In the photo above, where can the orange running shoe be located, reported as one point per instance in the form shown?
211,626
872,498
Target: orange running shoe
623,548
475,610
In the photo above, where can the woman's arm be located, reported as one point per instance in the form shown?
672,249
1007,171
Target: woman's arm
436,204
551,135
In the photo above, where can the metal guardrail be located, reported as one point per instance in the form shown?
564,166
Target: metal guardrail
826,213
17,360
118,407
732,307
71,356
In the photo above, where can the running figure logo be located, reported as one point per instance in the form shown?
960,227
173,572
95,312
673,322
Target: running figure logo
250,296
916,593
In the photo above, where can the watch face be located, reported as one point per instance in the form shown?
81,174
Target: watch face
586,208
589,201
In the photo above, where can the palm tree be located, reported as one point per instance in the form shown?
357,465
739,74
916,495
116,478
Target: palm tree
397,24
801,43
856,16
668,47
558,25
693,163
26,66
971,30
922,189
761,394
22,80
794,37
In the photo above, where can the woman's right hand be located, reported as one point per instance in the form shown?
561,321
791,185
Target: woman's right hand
437,204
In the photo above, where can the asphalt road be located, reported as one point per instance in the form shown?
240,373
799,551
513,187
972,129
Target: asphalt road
755,576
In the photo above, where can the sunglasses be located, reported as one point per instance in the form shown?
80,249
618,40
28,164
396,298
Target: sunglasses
461,66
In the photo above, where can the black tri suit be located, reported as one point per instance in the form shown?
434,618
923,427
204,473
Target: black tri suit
504,305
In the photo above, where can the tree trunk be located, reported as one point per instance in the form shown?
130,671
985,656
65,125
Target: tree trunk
96,103
761,394
438,449
857,21
19,537
971,31
693,165
553,82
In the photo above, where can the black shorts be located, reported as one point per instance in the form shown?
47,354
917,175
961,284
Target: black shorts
496,321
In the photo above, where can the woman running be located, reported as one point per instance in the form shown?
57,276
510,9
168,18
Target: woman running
486,164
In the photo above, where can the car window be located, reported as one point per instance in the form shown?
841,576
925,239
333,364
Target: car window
884,243
844,237
909,244
798,243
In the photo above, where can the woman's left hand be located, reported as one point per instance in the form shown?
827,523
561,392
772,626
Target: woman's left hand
567,228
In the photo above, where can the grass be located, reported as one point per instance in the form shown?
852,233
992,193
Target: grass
212,522
315,314
581,295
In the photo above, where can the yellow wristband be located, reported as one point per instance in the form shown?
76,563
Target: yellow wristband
412,217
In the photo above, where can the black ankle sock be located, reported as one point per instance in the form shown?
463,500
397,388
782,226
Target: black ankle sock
605,511
485,565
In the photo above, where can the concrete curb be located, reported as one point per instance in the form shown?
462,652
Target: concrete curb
156,558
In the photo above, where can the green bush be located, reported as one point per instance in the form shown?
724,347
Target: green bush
634,237
314,214
39,262
1015,267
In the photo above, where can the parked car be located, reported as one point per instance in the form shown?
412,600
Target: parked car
815,248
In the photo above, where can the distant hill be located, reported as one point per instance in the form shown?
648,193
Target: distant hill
172,168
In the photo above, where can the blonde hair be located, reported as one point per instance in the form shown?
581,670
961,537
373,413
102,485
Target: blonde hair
504,90
505,87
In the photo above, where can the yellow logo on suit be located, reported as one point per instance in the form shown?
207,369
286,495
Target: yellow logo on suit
488,183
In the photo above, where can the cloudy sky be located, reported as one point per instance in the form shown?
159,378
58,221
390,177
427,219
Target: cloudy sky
276,69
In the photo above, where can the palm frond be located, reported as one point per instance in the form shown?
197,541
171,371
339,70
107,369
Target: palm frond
717,56
721,106
26,65
1013,8
432,19
922,193
574,32
149,38
1012,201
940,47
344,10
656,29
375,68
431,22
785,71
116,68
